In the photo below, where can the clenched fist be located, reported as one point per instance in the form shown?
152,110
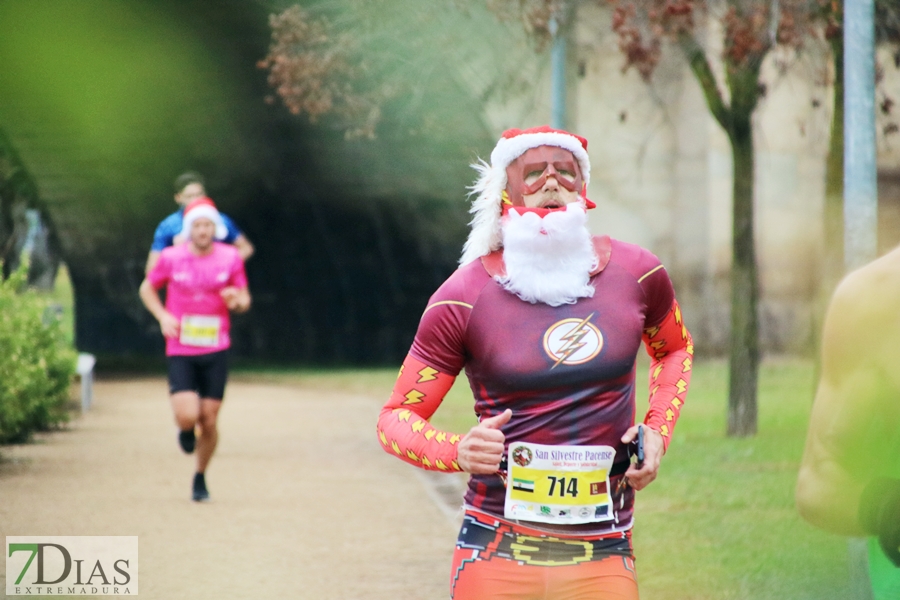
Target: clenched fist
481,450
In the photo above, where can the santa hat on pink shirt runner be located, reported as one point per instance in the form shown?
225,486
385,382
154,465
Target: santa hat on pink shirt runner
206,209
484,237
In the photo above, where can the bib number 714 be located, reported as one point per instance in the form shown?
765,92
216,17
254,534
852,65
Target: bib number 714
567,486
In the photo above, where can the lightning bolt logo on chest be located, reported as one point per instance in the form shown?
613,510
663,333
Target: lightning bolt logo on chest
573,341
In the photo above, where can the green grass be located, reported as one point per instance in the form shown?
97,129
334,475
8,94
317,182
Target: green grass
720,522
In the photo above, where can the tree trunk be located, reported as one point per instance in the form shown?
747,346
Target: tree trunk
737,121
744,354
831,262
834,179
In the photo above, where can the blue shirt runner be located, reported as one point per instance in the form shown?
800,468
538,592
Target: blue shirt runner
171,226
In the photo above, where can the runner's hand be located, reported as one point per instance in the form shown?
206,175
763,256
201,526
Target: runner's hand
639,478
231,296
481,450
170,325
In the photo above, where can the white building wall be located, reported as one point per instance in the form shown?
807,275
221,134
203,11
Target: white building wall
662,178
661,173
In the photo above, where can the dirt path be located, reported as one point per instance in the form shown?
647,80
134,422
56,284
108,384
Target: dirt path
305,503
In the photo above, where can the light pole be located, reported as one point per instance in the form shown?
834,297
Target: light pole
860,176
558,67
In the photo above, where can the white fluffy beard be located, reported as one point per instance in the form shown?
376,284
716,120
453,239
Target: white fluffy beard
548,260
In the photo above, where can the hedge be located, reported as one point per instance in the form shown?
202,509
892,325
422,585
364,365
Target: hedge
36,363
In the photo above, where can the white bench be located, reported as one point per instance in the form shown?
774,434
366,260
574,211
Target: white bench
85,370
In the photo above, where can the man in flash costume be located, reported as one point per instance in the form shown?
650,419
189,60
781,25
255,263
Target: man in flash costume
547,321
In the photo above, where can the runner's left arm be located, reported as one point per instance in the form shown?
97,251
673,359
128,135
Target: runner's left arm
237,294
671,349
237,300
237,238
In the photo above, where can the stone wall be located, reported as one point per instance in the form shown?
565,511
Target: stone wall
661,175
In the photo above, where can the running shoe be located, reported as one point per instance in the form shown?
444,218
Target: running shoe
187,440
200,493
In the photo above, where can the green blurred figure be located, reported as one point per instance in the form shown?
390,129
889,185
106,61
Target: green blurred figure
849,480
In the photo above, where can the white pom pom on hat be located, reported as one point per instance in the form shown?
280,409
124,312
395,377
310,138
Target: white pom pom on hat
203,208
491,183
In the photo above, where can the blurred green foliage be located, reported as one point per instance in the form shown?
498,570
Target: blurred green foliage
36,362
108,101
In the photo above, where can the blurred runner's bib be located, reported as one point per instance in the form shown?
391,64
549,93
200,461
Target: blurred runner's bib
563,485
200,330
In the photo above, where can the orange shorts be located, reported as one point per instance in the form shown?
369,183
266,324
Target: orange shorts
499,560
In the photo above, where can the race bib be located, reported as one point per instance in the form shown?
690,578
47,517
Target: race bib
563,485
200,330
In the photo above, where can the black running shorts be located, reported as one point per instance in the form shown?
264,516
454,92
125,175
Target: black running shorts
205,374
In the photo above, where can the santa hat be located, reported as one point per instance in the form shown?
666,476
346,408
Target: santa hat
491,183
206,209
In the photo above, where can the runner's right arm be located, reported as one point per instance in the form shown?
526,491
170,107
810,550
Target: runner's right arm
156,278
237,238
150,297
428,372
403,426
244,247
236,294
